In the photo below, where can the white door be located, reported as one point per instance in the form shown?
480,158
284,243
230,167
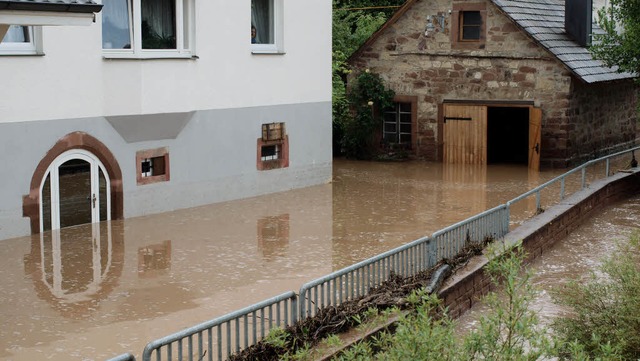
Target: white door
75,190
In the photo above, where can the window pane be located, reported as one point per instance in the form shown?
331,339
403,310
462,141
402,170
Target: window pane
405,128
405,107
471,18
46,204
102,189
471,33
471,23
262,19
116,25
17,34
389,127
405,119
158,24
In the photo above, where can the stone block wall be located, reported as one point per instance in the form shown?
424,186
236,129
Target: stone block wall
417,56
601,118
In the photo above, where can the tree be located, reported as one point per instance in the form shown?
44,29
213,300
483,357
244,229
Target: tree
619,45
353,23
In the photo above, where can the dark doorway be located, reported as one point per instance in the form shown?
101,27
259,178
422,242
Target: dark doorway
507,135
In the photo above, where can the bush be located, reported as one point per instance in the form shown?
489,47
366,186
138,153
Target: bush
367,98
605,322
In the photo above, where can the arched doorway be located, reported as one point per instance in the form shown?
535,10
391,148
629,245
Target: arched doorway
77,155
75,190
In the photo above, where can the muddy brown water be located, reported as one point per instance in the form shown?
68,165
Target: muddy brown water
573,258
93,292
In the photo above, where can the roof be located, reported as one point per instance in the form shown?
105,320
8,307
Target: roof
71,6
543,20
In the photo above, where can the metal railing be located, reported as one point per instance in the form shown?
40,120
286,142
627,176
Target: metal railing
219,338
562,179
357,280
222,336
493,223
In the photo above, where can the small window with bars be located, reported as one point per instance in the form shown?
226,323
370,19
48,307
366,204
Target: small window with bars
273,147
152,166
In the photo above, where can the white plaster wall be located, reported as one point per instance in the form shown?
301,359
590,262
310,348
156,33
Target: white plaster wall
73,80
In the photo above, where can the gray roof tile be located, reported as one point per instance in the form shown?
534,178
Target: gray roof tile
544,21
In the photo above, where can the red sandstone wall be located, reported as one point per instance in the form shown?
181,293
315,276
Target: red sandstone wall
507,66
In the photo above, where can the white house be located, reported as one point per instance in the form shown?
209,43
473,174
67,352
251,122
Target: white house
157,105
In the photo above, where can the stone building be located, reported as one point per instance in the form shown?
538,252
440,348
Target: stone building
493,81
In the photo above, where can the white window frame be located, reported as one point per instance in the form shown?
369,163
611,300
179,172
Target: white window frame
278,32
185,35
33,47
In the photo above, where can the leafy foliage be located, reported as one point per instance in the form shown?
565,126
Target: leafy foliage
351,28
510,331
605,323
620,44
367,98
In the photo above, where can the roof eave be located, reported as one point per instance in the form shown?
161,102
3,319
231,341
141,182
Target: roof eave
43,6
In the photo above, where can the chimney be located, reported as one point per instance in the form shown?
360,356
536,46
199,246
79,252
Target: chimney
577,20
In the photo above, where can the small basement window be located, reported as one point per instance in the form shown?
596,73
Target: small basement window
152,166
273,147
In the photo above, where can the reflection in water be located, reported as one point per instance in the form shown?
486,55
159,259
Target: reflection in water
95,293
154,259
273,235
73,268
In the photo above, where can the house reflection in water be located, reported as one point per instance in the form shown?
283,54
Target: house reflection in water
273,236
154,259
75,268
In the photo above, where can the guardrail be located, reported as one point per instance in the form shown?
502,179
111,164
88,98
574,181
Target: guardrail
251,324
562,179
355,281
219,338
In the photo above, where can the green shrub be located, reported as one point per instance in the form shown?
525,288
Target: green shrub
605,319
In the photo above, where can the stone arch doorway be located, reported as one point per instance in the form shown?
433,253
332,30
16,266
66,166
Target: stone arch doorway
87,159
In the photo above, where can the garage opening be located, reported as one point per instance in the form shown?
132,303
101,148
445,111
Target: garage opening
507,135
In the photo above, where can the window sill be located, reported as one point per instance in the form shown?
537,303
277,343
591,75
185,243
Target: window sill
20,54
148,56
267,52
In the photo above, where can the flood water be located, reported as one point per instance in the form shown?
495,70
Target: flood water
574,258
93,292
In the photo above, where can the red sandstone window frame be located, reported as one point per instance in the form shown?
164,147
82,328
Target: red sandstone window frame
458,10
141,155
274,138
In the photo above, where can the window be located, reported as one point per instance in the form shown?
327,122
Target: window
273,147
152,166
163,28
21,40
470,24
267,26
397,126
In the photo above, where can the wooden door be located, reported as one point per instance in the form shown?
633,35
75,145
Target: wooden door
535,127
465,134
